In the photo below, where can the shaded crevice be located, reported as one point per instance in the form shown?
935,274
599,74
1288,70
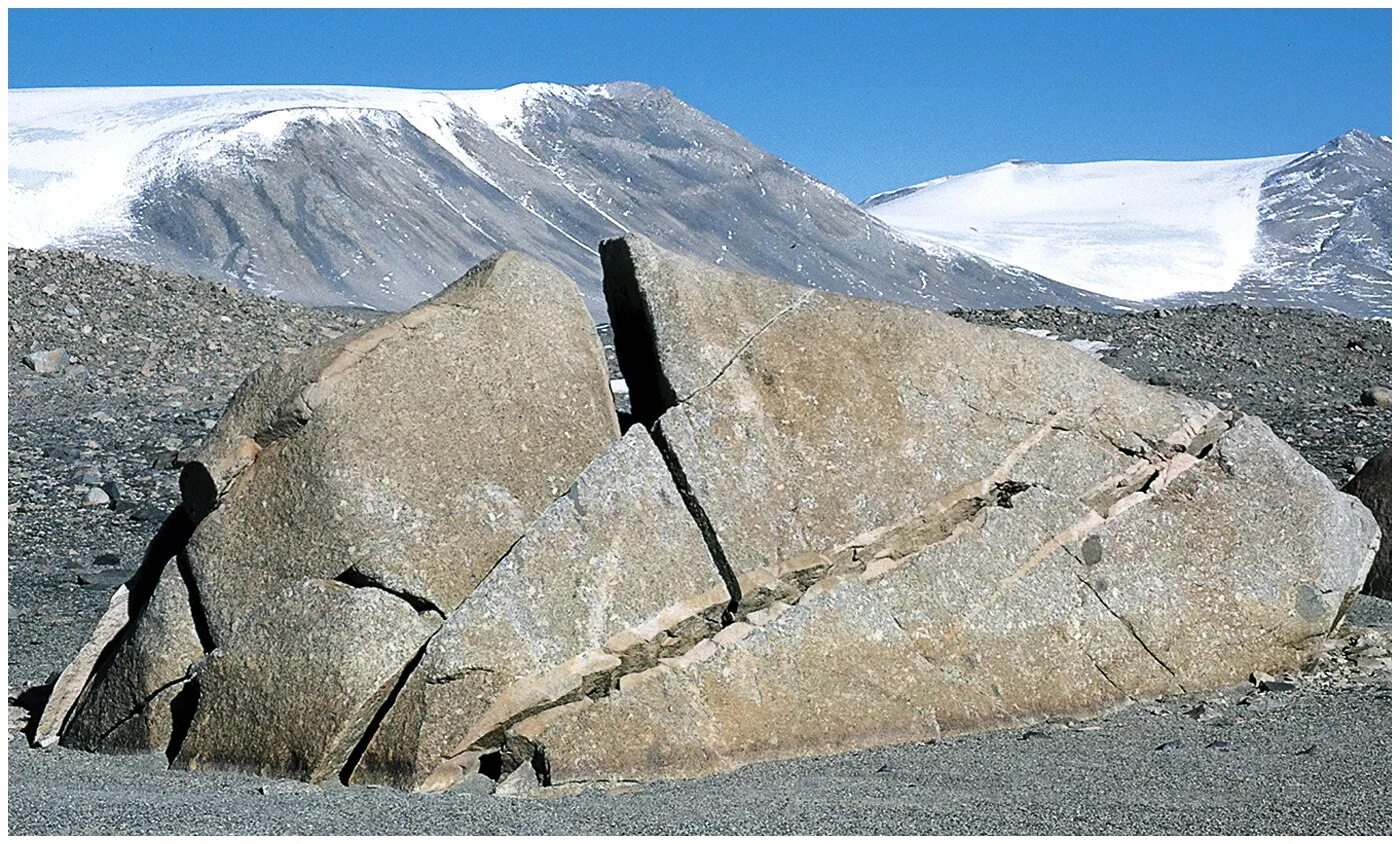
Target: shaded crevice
634,334
182,711
359,580
197,614
651,391
701,518
358,752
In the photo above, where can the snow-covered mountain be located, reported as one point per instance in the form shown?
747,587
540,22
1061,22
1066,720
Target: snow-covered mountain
1309,230
379,197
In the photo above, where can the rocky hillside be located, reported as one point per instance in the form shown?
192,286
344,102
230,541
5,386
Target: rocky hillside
379,197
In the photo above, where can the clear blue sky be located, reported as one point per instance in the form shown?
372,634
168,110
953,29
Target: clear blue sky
863,100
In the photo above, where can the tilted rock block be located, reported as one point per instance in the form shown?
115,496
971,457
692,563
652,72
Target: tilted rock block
410,455
423,553
349,498
1094,539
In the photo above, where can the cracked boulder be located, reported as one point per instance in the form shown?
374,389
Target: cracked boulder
423,554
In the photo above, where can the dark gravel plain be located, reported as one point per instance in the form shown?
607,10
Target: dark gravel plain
154,358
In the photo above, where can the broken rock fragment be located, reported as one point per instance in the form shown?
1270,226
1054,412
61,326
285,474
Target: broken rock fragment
993,529
1372,486
615,570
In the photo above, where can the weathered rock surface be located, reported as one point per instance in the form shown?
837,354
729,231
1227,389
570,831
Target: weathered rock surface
841,524
1372,486
294,688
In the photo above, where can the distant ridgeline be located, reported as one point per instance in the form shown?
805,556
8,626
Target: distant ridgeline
379,197
1310,230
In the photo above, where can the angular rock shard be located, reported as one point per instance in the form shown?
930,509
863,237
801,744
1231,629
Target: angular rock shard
603,569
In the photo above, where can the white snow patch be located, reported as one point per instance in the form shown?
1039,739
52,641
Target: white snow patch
1135,230
1093,348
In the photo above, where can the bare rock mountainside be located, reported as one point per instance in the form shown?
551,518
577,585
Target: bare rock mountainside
1305,230
326,195
836,523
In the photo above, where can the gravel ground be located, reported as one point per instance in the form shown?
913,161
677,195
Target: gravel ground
154,358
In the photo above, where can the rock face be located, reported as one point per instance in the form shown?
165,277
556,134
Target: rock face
422,554
1372,486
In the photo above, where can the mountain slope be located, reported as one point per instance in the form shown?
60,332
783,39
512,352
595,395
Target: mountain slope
379,197
1308,230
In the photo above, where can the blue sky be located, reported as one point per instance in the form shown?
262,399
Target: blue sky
864,100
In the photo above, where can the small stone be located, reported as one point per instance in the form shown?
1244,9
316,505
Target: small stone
19,718
71,310
1278,686
1168,746
108,579
1258,678
1218,744
1033,734
113,490
146,513
1164,379
1376,397
86,476
1373,665
62,452
162,458
107,560
1310,750
47,362
96,497
1202,712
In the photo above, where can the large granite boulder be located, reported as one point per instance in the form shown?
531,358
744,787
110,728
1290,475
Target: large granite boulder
1372,486
423,553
